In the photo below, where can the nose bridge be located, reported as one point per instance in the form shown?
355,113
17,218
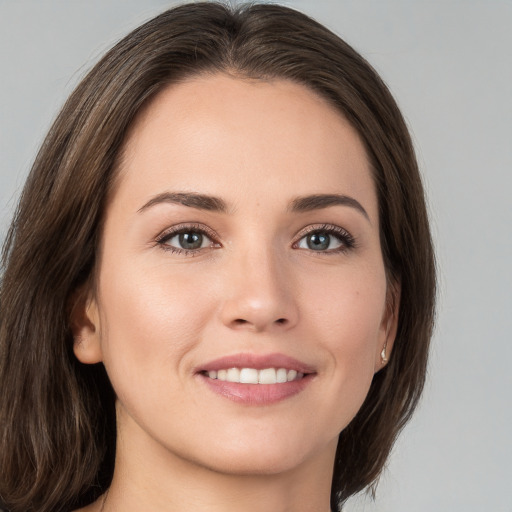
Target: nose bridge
260,292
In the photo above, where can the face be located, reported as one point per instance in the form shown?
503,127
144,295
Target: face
240,308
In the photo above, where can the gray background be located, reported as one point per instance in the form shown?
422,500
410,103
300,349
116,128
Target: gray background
449,65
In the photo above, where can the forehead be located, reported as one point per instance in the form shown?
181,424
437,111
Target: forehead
231,137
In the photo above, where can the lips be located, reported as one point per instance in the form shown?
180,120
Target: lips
256,379
258,362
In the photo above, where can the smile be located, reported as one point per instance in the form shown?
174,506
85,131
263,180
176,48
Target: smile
254,376
256,379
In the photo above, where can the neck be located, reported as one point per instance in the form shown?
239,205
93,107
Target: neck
150,478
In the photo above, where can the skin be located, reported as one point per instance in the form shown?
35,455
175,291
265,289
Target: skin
254,286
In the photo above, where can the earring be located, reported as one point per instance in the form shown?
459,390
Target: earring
383,356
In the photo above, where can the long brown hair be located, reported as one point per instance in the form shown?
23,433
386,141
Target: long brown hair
57,420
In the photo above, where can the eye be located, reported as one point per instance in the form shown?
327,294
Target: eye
189,241
326,239
186,239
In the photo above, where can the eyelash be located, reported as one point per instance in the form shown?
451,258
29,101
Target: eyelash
182,229
347,241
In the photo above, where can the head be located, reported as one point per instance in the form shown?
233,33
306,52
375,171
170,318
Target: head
57,411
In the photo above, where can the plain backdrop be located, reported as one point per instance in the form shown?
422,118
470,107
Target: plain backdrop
449,64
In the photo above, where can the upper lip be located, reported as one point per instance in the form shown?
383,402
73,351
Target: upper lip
256,361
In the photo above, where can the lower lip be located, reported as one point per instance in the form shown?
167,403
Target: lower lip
256,394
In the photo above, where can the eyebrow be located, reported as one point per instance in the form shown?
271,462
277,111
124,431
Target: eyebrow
215,204
190,199
319,201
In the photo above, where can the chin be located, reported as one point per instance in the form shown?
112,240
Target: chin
265,457
260,464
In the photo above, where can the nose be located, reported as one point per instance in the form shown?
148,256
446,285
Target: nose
260,295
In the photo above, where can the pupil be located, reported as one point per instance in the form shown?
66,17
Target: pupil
318,241
191,240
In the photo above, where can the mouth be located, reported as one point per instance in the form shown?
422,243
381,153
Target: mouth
254,376
256,379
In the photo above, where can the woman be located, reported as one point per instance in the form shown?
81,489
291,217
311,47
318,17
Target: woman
219,284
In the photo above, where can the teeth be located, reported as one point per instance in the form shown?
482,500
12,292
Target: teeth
267,376
248,376
281,376
233,375
253,376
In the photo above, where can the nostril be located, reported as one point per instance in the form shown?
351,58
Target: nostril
241,321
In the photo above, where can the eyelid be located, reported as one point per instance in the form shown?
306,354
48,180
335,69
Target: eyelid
183,228
348,240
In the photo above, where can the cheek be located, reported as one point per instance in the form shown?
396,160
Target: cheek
346,314
150,321
348,304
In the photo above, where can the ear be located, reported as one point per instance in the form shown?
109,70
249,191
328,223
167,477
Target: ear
85,326
389,326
